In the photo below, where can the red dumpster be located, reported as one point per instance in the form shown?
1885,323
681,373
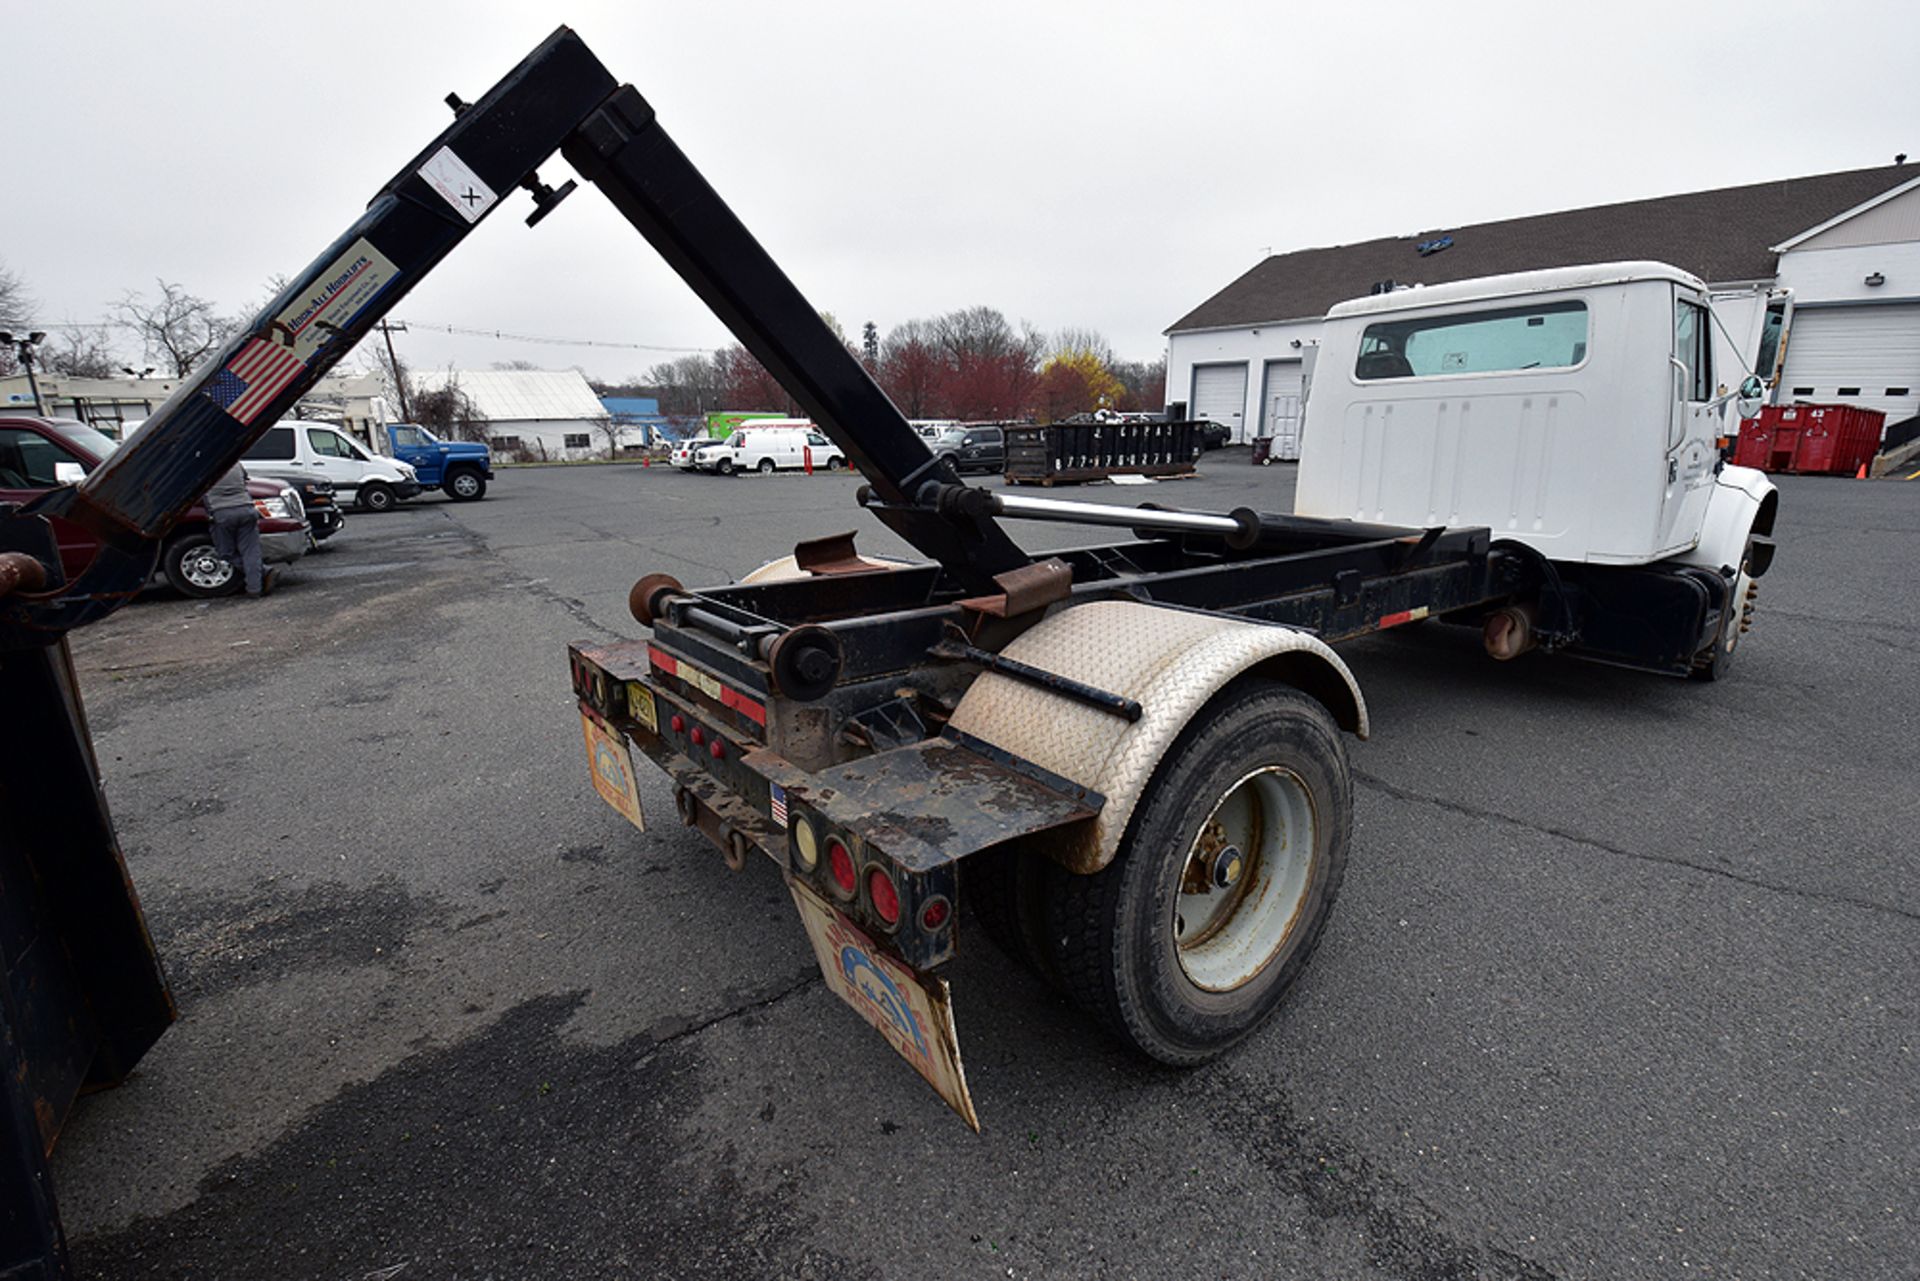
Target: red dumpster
1828,440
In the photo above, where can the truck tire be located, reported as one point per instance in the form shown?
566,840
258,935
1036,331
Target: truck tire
375,496
724,466
466,486
1179,967
195,569
1715,662
1006,889
766,466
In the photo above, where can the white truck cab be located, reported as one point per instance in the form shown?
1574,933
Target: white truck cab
1575,410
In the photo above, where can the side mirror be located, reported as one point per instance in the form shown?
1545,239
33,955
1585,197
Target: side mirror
1752,393
68,473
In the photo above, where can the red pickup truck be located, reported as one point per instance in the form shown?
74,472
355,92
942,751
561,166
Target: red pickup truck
37,454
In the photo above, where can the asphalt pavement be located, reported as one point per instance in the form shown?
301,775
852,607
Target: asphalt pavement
1622,982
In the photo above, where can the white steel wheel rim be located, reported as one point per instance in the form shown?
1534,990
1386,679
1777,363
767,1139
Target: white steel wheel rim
204,568
1225,937
465,483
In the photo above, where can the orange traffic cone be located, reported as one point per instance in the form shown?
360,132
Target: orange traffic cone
1862,473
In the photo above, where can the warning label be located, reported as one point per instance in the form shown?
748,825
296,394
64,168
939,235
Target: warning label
345,289
458,185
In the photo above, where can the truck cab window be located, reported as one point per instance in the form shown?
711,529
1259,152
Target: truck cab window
1545,336
327,444
1693,348
275,446
27,460
411,437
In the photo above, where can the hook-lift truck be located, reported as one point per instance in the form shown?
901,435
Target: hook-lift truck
1129,757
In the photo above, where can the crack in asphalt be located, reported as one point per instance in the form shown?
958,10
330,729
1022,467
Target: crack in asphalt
675,1031
576,609
1474,811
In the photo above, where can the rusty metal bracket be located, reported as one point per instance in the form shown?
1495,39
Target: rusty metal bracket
833,554
1026,589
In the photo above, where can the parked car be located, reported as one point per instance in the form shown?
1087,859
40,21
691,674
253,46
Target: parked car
767,449
37,454
373,482
324,517
688,450
461,468
1215,435
971,448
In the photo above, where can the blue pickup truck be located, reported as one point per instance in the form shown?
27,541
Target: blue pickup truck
460,467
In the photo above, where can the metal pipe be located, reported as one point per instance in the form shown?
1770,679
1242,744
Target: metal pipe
1061,509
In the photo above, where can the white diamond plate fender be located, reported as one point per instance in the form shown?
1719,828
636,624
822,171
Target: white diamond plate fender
1172,662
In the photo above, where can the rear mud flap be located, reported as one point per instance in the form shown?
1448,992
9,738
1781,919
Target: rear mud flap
913,1011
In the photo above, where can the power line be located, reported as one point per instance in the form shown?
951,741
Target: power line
504,336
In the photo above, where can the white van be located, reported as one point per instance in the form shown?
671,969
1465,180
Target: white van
765,448
303,449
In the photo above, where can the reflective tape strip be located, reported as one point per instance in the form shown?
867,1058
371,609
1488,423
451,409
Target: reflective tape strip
725,695
1404,616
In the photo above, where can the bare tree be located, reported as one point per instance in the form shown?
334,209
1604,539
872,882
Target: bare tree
16,309
611,430
80,351
688,387
180,328
450,413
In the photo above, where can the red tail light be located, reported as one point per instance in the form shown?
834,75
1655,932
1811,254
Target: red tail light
840,863
697,736
935,914
886,899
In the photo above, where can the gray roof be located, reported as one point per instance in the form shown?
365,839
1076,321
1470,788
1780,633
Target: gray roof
1721,236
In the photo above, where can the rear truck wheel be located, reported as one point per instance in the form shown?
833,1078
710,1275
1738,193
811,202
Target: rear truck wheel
1006,889
195,569
1716,661
724,466
466,486
766,466
1190,937
376,496
835,462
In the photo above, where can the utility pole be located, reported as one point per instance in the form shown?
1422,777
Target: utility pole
26,346
387,329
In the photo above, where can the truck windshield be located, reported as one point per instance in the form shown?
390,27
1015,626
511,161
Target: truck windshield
1545,336
417,437
95,442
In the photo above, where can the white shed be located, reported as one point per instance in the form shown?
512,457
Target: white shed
537,412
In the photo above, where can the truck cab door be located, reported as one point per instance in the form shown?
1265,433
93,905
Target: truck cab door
424,453
1693,422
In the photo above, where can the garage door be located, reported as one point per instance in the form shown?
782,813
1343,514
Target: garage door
1280,408
1220,396
1866,356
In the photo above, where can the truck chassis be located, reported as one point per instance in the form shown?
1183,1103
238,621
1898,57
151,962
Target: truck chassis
1128,756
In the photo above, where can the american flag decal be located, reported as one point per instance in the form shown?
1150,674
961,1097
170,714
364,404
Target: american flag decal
253,378
779,799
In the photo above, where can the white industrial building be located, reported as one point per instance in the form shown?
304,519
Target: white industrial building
537,413
1817,280
114,405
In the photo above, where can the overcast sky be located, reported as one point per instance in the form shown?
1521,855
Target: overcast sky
1097,165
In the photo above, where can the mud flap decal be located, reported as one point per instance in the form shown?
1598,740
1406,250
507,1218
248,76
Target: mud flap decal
913,1011
611,765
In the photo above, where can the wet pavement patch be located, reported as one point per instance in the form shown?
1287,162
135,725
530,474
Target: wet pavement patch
512,1154
211,943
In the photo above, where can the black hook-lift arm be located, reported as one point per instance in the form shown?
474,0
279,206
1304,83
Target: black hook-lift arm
560,98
